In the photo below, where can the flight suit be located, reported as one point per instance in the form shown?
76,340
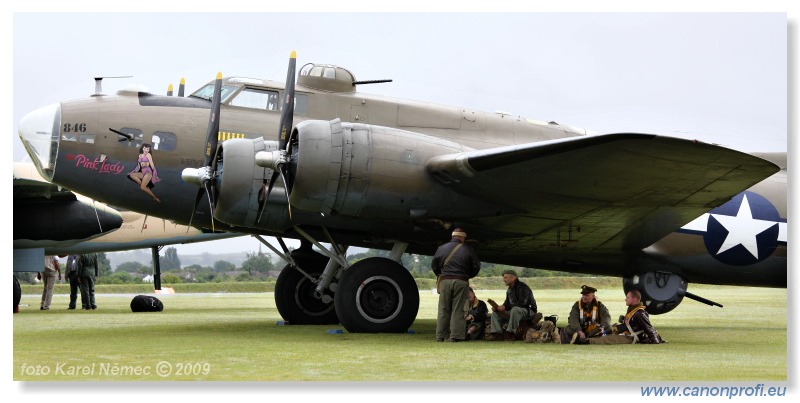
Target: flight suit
87,273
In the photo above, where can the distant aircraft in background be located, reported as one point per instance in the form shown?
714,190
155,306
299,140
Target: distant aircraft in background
49,219
659,212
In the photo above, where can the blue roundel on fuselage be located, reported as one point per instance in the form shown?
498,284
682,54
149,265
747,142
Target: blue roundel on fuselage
743,231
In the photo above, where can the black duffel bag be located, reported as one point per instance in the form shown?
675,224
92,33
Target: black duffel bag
146,303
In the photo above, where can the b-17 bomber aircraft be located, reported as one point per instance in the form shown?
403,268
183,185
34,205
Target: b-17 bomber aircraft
377,172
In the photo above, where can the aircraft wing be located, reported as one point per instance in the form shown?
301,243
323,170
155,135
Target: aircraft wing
29,184
46,214
614,191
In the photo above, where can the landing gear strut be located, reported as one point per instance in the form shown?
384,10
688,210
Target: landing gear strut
295,292
375,295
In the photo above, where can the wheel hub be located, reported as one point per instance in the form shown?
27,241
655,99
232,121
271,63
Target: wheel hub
379,298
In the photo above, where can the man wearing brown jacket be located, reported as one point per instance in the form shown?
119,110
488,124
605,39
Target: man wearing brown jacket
454,263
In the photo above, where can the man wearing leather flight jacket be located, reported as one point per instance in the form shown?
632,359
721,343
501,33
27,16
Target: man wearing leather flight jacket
454,263
519,305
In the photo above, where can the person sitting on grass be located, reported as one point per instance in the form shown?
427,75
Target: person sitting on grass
519,305
477,313
588,318
634,326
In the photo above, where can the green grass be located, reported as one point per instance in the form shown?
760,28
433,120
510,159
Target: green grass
235,337
550,283
144,288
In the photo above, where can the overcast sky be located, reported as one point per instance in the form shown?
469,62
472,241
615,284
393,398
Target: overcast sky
717,77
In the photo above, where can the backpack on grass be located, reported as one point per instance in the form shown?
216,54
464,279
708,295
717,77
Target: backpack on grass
146,303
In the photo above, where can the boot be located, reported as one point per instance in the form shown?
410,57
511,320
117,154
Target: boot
494,337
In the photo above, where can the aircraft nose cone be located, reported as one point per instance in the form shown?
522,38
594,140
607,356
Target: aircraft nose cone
39,132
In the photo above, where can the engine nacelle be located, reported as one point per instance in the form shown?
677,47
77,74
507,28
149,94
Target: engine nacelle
78,220
240,181
661,291
365,171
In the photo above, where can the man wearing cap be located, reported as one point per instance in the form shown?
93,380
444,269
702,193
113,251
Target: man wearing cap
519,305
588,318
454,263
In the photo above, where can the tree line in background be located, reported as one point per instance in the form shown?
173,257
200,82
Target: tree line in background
259,267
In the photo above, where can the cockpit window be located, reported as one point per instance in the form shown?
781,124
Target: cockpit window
257,99
208,91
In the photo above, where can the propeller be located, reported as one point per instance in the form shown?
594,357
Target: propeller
181,88
279,161
204,176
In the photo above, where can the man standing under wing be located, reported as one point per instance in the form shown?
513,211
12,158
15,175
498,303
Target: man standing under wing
48,277
454,264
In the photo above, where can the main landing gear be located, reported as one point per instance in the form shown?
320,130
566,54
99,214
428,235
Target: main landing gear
374,295
377,295
294,290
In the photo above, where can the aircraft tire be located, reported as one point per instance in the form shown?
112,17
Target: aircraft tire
377,295
295,300
17,294
663,291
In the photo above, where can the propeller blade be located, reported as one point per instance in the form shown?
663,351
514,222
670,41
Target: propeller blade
210,204
207,188
284,131
286,190
287,112
212,136
181,87
262,200
169,90
275,174
264,195
196,203
205,176
211,186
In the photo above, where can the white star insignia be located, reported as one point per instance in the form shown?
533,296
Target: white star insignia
742,229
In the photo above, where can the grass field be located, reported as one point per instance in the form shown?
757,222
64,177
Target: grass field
236,337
